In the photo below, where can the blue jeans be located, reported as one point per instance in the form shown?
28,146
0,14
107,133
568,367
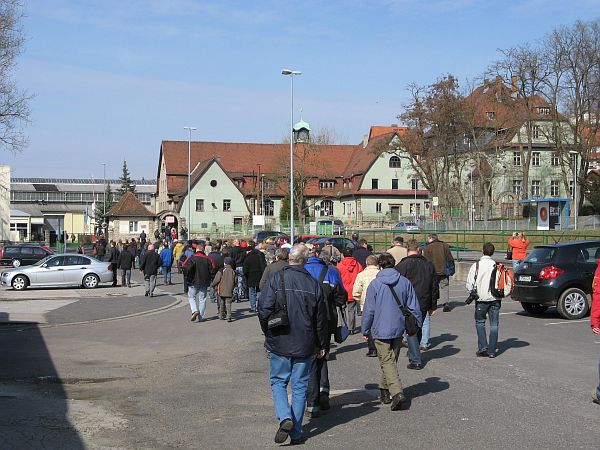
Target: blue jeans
425,330
212,293
414,354
516,262
489,310
284,368
167,273
199,307
253,297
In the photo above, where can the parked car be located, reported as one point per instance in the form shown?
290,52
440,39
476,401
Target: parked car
338,242
558,275
406,226
262,235
18,255
336,226
66,269
305,238
276,240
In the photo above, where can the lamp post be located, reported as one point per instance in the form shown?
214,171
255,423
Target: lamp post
575,205
104,203
189,214
291,74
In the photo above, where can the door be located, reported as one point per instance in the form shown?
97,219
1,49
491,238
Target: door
74,267
237,223
50,273
395,213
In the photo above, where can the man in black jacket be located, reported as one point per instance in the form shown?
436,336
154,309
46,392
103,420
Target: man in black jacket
125,263
422,276
199,272
254,266
149,267
294,347
361,252
219,261
113,259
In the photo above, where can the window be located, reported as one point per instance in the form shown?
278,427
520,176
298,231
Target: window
326,208
395,162
326,184
571,188
535,132
378,207
213,183
516,187
226,205
269,207
199,204
374,183
535,159
545,111
394,183
414,184
516,158
535,188
491,115
554,188
269,184
133,226
555,159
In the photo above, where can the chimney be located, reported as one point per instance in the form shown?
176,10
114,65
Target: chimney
498,79
365,141
513,83
486,82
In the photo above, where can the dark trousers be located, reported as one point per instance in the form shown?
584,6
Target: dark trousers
371,343
114,267
318,383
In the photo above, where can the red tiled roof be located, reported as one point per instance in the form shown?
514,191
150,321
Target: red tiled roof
377,130
129,206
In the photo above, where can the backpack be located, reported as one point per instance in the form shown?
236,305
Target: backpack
502,281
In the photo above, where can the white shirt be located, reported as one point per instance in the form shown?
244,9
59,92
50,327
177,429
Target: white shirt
486,266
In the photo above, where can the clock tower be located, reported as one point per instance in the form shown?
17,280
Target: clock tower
302,132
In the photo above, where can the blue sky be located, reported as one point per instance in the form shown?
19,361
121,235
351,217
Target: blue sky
113,78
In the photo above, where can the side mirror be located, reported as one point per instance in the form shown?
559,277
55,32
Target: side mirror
45,266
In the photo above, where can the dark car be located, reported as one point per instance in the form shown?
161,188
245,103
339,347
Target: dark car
338,242
558,275
18,255
262,235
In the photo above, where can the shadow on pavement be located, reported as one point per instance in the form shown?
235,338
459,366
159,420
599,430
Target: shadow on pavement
348,348
511,343
33,401
438,353
437,340
429,386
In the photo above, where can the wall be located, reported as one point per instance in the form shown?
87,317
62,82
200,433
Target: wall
118,228
4,203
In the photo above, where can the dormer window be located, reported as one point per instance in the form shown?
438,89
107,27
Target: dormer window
239,182
491,115
544,111
326,184
395,162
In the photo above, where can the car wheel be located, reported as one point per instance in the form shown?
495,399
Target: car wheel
572,304
16,263
19,283
90,281
534,308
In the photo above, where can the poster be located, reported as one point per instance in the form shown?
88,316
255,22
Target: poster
543,216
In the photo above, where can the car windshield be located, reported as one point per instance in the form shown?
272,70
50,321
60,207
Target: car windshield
541,255
42,261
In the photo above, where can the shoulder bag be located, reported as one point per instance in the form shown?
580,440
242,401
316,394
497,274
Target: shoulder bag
410,322
278,319
473,295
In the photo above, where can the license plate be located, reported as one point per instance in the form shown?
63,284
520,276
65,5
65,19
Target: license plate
525,278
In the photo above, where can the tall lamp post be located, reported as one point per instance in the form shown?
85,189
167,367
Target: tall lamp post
291,74
104,225
575,205
189,214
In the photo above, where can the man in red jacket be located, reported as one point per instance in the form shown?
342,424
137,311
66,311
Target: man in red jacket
349,269
595,321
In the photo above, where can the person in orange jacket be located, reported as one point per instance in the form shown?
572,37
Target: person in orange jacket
349,268
518,243
595,321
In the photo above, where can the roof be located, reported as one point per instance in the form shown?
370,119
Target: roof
378,130
129,206
301,124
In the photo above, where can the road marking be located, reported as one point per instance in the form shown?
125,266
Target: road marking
568,321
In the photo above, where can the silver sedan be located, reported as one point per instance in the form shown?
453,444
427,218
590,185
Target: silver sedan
65,269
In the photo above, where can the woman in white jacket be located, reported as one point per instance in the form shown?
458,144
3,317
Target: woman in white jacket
359,292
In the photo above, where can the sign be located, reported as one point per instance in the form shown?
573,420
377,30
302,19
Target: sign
169,219
258,220
435,201
543,216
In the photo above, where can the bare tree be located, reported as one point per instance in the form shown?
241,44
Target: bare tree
14,104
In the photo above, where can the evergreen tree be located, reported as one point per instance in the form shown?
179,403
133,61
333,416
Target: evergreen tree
284,213
126,182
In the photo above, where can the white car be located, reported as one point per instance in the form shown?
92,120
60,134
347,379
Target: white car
66,269
406,226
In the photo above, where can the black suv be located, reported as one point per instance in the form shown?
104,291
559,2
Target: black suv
22,254
262,235
558,275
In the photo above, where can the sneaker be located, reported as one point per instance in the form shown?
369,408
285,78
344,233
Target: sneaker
414,366
146,294
299,441
372,353
385,397
493,355
230,320
424,348
315,413
397,401
194,316
595,398
324,401
482,353
447,307
283,432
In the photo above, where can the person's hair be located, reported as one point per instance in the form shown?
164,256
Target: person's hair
125,245
150,247
371,260
412,245
347,252
190,243
515,234
433,236
281,254
488,249
299,254
251,244
236,242
355,236
386,261
399,239
166,244
216,247
200,247
327,243
362,242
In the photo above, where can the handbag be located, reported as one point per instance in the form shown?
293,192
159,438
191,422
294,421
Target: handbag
509,254
341,331
410,321
278,319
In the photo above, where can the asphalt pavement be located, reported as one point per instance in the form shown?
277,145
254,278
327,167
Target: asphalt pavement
156,380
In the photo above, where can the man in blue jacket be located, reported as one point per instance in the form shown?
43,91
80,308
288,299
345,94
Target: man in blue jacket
166,257
293,348
384,319
335,297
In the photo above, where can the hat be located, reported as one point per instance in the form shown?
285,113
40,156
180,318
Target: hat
244,244
228,261
175,240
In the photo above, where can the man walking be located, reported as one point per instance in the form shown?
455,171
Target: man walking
166,257
281,260
113,259
398,251
595,322
383,318
349,269
219,261
486,305
335,297
293,348
359,292
199,271
361,252
253,267
438,253
149,267
125,263
422,276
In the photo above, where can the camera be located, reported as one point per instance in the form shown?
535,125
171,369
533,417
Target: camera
472,297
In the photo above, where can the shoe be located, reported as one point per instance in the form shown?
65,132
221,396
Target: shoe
397,401
151,294
283,432
170,284
324,401
372,353
403,344
595,398
299,441
482,353
385,397
128,285
146,294
447,307
492,355
230,320
424,348
312,414
194,316
414,366
201,319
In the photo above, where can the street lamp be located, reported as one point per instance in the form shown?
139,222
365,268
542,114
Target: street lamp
291,74
575,205
189,214
104,202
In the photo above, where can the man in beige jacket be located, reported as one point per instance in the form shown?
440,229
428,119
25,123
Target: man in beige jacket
398,251
359,292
